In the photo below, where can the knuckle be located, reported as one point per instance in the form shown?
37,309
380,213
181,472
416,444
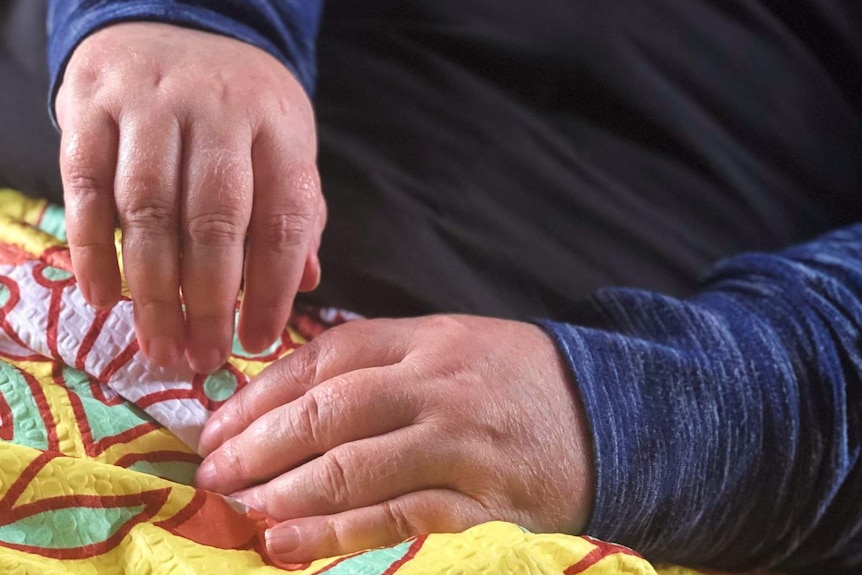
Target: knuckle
306,422
234,459
303,366
280,231
216,229
336,535
150,215
396,519
84,75
276,101
222,89
82,181
333,472
279,105
441,323
157,78
81,74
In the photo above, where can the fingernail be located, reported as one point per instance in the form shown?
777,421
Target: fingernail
251,497
163,350
207,362
256,343
281,540
211,436
206,475
99,295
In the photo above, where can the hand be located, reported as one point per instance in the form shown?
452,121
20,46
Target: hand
196,141
380,430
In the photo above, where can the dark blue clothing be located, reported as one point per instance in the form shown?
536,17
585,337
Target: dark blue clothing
728,426
726,423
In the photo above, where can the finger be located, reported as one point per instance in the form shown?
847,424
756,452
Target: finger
346,408
387,523
353,346
216,212
147,196
311,273
357,474
88,164
283,222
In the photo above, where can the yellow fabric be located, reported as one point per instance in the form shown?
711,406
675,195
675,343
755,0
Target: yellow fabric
90,484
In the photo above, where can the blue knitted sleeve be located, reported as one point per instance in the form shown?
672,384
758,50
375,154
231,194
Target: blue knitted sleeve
727,426
287,29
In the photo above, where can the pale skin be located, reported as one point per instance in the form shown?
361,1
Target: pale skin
195,142
377,430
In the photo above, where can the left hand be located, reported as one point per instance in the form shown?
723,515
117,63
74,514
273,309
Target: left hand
204,147
384,429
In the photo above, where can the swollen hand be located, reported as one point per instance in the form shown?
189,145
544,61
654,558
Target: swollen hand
199,144
380,430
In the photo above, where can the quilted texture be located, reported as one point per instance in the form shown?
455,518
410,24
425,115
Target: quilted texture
97,447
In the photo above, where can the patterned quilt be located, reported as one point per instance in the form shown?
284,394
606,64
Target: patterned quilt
97,447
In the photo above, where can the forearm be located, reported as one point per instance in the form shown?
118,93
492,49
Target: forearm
727,426
287,29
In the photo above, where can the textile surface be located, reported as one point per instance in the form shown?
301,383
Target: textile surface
91,482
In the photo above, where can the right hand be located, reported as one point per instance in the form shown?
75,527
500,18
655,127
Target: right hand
196,141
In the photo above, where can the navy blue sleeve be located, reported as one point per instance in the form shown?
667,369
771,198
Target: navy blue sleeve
287,29
727,426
